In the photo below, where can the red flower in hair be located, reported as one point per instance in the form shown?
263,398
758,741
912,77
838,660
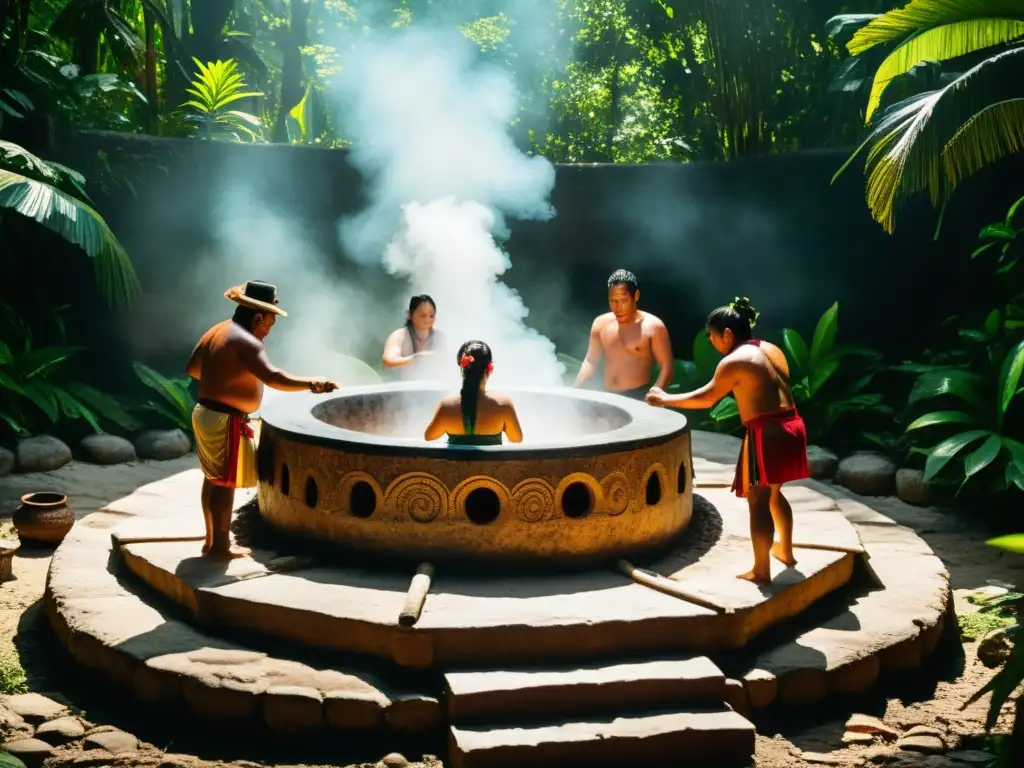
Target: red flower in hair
466,361
490,367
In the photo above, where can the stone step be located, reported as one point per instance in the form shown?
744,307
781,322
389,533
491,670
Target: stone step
713,736
581,690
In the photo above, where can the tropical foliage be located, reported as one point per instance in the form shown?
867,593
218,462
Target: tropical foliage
55,197
971,117
39,387
174,403
832,385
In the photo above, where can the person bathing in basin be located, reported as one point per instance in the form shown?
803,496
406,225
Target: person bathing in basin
631,342
407,348
231,365
475,416
774,449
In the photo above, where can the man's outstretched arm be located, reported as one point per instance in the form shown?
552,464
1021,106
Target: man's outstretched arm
254,357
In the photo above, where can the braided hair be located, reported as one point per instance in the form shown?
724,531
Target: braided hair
474,357
740,317
414,304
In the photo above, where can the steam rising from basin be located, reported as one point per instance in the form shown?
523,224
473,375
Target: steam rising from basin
597,475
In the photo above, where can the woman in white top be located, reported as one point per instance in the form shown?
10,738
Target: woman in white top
406,348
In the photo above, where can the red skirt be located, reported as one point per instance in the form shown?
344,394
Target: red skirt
774,451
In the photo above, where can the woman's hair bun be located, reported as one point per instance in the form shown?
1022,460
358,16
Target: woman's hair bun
742,307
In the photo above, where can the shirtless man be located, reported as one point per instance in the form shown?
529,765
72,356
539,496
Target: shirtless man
774,449
231,365
631,340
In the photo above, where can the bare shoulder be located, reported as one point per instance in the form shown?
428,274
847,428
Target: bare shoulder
653,322
395,335
237,336
450,402
601,321
500,399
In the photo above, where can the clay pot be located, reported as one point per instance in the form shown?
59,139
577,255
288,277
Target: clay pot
44,518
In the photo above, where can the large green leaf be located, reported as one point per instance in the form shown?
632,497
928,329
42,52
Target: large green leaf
107,406
41,361
907,153
935,30
824,335
968,387
943,453
936,418
1009,377
172,393
41,395
75,221
705,356
820,374
1002,685
7,760
984,455
1013,542
796,350
726,409
73,409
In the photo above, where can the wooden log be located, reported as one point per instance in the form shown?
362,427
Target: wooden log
7,551
666,585
416,596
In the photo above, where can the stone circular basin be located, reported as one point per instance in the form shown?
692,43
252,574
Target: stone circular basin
597,475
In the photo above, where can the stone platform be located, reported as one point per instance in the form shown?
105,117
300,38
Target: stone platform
614,663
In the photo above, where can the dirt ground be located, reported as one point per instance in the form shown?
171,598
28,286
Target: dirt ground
933,698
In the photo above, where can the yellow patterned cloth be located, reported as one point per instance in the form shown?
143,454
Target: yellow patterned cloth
226,446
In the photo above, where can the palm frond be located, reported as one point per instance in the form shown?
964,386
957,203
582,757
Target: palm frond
79,224
995,132
922,15
907,145
940,43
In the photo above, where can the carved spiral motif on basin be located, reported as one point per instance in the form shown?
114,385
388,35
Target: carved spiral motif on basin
615,488
533,500
419,495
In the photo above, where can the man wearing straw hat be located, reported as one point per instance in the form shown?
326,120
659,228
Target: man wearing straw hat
231,364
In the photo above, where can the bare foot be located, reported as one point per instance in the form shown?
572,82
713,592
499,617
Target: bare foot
784,556
756,577
207,546
231,553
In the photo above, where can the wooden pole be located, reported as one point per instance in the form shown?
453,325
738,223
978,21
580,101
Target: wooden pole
666,585
417,595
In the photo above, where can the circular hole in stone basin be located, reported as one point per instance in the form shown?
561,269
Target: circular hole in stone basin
362,500
312,493
482,506
405,414
286,479
577,500
681,477
265,462
652,493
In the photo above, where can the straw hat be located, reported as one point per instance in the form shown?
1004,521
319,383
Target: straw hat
256,295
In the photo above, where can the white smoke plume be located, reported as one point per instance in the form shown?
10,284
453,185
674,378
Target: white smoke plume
429,132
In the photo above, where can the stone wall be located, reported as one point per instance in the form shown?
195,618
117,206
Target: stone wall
772,228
